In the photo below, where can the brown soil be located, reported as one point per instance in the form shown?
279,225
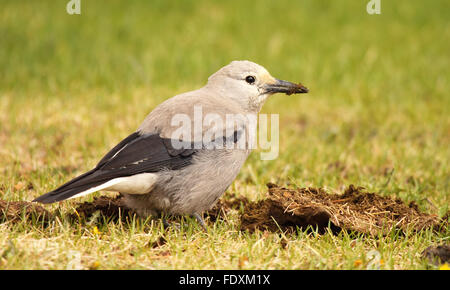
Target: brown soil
224,205
22,210
355,210
110,207
437,254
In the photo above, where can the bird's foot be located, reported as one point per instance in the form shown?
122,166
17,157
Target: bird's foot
197,216
167,225
200,221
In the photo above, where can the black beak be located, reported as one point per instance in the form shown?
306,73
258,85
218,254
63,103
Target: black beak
285,87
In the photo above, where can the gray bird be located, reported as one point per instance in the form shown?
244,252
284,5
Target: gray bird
155,174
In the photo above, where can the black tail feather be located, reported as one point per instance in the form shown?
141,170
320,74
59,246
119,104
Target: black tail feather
71,188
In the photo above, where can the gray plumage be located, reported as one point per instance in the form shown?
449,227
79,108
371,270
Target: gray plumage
157,177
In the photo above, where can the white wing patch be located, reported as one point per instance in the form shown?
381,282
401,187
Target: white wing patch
136,184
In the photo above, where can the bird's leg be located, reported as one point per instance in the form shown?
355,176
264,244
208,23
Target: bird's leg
200,221
165,223
197,216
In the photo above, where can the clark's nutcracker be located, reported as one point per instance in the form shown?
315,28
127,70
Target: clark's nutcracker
158,176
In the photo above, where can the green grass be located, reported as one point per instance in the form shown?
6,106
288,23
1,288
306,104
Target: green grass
377,116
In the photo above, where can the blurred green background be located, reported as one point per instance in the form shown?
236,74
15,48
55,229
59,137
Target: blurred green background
71,86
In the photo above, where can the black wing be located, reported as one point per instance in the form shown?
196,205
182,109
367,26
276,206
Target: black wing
135,154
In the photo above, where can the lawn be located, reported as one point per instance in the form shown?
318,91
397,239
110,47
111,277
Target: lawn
377,116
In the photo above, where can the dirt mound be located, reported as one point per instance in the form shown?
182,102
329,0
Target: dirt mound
23,210
437,254
224,205
112,208
354,210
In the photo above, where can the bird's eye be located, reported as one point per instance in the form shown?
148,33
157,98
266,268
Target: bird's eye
250,79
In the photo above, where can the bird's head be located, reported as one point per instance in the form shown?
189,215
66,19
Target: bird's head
250,84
